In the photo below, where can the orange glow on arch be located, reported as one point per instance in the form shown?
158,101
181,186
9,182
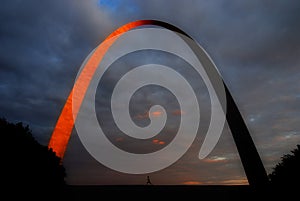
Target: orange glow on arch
65,123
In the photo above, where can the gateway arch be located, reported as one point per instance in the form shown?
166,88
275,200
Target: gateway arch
248,153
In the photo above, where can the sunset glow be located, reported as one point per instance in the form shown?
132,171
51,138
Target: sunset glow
178,112
156,113
192,183
235,182
156,141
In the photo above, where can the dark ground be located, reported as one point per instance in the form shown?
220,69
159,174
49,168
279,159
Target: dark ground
150,192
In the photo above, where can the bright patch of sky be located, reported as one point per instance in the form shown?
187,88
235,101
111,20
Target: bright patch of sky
115,5
109,4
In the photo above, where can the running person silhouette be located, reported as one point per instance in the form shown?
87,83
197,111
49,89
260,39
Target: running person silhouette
148,181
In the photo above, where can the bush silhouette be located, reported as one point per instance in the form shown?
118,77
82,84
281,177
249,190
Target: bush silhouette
28,164
286,173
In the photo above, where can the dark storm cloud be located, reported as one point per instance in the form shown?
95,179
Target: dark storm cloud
255,45
234,32
42,46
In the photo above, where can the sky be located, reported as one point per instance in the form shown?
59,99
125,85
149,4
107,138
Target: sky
254,44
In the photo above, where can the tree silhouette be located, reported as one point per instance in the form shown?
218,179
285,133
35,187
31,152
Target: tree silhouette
28,164
286,173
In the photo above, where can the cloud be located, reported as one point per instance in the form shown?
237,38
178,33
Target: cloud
157,113
215,159
235,182
146,115
42,46
119,139
156,141
178,112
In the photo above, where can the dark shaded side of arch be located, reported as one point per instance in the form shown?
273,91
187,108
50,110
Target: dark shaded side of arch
251,161
253,166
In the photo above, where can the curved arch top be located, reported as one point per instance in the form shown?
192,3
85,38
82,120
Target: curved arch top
65,123
251,161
